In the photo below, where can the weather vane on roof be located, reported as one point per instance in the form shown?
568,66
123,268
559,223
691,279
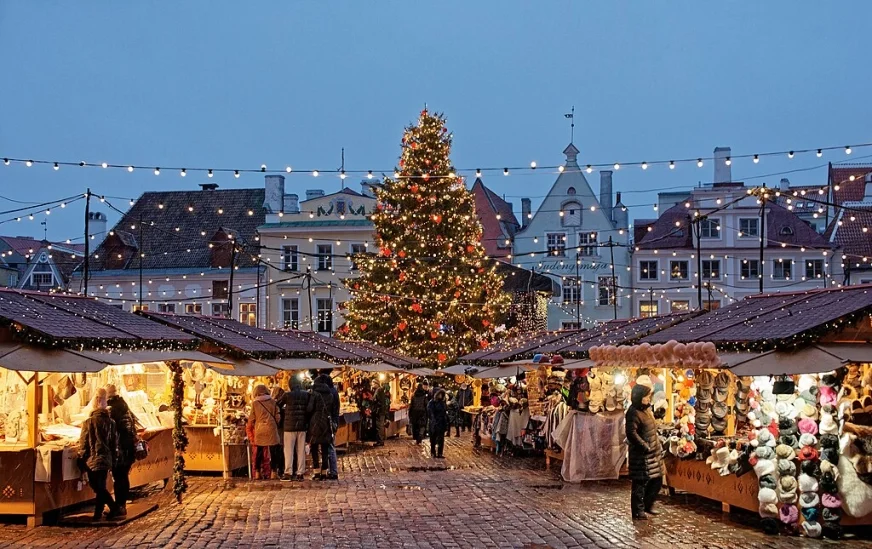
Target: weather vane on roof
571,117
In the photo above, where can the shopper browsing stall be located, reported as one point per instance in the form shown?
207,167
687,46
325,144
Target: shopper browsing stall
438,414
98,446
295,404
125,425
264,428
645,453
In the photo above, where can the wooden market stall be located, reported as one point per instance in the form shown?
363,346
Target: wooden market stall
815,346
55,351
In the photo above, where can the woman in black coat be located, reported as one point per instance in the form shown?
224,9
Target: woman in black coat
418,413
125,425
645,454
437,411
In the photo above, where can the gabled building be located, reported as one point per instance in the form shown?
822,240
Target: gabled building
309,248
183,252
581,241
498,221
851,229
672,258
32,264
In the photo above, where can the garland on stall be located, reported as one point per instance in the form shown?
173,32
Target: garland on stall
180,438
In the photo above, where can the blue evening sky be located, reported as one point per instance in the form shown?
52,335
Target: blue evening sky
237,84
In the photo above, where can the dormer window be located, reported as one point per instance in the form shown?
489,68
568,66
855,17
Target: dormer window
571,214
786,231
570,191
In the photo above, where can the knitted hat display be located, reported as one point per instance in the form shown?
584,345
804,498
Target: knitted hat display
789,440
829,441
811,468
810,513
786,468
828,425
832,469
769,526
807,439
787,490
828,395
788,514
812,529
768,481
831,501
807,426
765,438
809,499
808,453
783,451
831,455
768,510
767,495
764,467
830,514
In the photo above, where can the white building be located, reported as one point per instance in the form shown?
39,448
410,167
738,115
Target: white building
582,242
309,247
672,257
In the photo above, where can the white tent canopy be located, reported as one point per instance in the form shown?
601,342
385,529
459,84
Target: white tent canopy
34,359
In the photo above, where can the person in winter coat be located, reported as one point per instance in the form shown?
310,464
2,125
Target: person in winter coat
295,404
321,428
125,425
463,399
98,449
263,423
645,453
381,407
277,453
438,414
418,413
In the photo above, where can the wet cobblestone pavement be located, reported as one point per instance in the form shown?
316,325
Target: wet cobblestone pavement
396,496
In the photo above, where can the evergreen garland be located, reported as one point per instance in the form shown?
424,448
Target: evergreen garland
180,438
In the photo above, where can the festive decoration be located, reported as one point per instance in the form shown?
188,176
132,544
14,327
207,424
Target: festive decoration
430,255
180,438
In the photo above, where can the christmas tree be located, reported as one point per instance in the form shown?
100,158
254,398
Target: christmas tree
428,290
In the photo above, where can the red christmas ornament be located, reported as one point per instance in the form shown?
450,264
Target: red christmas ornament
402,275
434,335
402,162
426,177
386,252
427,161
442,357
414,145
363,327
485,323
401,253
437,218
414,188
484,343
402,325
457,294
470,248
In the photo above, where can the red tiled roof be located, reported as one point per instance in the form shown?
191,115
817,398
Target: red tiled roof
769,318
79,321
850,236
849,191
494,231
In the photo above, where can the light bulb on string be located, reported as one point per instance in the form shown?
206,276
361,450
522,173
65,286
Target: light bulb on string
29,163
288,169
617,166
130,168
505,171
790,154
209,174
671,164
56,166
157,171
589,168
820,153
184,172
644,165
756,159
478,172
848,149
728,161
314,173
263,168
699,163
560,169
369,174
236,174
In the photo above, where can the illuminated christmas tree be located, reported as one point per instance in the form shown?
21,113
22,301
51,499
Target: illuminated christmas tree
428,289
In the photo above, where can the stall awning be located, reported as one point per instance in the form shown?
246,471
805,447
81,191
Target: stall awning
298,364
463,370
377,367
245,367
569,364
35,359
849,352
423,372
728,360
810,360
504,371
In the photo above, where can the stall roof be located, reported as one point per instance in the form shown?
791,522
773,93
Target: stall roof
809,360
83,322
462,369
18,357
504,371
380,367
770,317
629,331
517,346
388,355
246,367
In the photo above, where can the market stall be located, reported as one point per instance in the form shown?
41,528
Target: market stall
780,427
55,352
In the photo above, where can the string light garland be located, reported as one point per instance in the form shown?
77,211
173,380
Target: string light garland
699,162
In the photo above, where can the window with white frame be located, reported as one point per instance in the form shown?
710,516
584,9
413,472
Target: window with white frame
193,309
814,268
750,269
587,243
749,227
679,306
325,315
556,244
290,258
325,257
710,228
571,290
291,313
166,308
356,250
781,269
571,214
570,325
42,275
606,290
648,270
221,309
711,269
678,270
248,313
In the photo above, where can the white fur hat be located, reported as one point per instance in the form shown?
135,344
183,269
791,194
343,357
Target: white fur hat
807,439
767,495
807,483
812,529
828,467
828,425
764,467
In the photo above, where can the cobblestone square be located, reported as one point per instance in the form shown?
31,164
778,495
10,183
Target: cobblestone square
397,496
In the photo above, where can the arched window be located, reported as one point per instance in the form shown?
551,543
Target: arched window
786,230
571,214
570,191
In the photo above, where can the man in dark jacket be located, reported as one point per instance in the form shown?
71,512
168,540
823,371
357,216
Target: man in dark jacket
321,429
295,404
125,425
381,407
98,447
463,399
438,415
645,453
418,413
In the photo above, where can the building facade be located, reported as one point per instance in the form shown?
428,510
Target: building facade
31,264
851,229
704,252
582,242
309,248
498,222
183,252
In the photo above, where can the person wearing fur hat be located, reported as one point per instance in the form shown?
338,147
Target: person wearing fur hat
438,415
645,453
